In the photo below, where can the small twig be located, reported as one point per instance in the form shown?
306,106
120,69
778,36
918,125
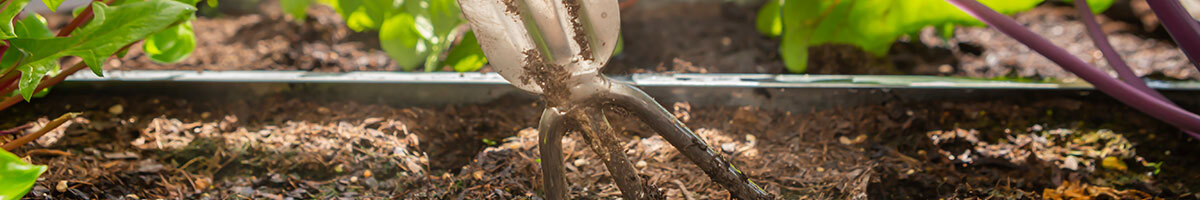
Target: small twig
683,189
12,145
16,129
48,152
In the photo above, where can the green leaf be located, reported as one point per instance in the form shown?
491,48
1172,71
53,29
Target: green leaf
171,45
769,22
399,38
11,9
872,25
110,29
53,4
620,45
1098,6
445,15
31,76
16,176
296,8
33,27
365,15
467,56
212,3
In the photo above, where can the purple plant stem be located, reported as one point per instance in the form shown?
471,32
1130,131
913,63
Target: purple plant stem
1180,25
1127,94
1110,54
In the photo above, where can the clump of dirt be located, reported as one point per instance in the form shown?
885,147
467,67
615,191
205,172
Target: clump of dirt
580,38
552,78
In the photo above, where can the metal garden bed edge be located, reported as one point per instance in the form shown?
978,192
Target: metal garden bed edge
661,80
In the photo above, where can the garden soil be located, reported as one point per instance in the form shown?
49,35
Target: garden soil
278,148
693,37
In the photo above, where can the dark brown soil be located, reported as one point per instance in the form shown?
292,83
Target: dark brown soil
697,37
157,147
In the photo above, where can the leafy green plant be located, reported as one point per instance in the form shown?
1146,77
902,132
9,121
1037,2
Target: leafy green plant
414,33
872,25
16,176
30,59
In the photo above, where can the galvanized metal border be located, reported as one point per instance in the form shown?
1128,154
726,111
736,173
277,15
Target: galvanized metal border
659,80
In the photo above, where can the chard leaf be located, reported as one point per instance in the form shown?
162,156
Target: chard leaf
33,26
768,22
872,25
467,56
1098,6
16,176
53,4
11,9
171,45
110,29
400,40
296,8
32,75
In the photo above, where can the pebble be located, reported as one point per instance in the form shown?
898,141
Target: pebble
61,187
116,109
277,178
1113,163
728,147
243,190
580,162
371,182
1071,163
641,164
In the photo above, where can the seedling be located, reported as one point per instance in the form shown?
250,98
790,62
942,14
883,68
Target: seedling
414,33
556,49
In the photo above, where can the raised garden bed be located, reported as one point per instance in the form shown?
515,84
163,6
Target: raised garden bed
271,108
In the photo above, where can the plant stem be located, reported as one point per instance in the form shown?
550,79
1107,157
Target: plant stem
1110,54
53,81
675,132
602,140
1127,94
550,131
1180,25
15,129
11,145
8,79
78,21
46,83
